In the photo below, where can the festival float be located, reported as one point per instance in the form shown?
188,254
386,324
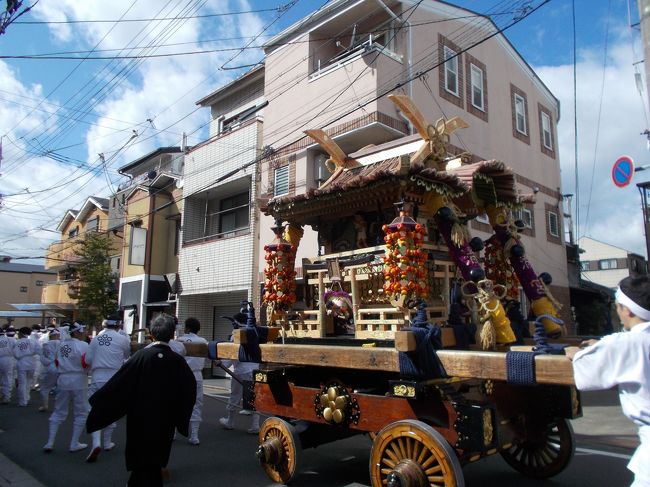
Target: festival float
381,342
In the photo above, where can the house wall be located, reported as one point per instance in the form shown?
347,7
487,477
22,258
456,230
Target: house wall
595,251
11,292
218,265
314,102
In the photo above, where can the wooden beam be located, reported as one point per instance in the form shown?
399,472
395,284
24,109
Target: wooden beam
549,369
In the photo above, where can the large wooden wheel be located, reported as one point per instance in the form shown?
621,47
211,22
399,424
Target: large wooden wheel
410,453
279,450
542,450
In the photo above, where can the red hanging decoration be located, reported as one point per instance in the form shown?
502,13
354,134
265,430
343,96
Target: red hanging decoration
279,273
404,271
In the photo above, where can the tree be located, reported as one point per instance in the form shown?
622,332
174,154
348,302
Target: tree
97,295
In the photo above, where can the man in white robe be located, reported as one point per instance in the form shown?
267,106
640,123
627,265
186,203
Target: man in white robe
623,360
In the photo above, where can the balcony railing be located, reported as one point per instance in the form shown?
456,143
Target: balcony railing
61,292
63,253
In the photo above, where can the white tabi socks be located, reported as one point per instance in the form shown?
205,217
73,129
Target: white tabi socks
107,434
74,442
194,432
96,449
229,421
49,446
255,424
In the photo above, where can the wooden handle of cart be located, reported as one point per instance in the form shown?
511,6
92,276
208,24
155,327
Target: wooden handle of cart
549,369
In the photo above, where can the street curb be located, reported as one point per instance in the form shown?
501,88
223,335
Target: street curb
11,475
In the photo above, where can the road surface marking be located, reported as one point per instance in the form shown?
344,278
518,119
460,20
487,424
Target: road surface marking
604,453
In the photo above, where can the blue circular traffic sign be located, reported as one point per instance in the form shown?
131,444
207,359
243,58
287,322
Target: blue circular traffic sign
623,171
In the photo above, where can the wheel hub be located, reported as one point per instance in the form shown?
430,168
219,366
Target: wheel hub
407,473
271,451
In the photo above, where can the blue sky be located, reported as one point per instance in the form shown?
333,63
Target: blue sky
154,103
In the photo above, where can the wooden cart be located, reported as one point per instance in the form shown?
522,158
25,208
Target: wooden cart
318,387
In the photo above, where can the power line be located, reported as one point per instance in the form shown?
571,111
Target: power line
419,74
122,21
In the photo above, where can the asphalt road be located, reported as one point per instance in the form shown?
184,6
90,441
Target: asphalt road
605,441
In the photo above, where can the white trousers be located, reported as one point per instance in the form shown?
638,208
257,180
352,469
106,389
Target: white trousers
92,388
25,378
640,462
197,412
48,380
6,376
79,399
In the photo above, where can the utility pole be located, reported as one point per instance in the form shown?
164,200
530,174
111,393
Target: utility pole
644,22
644,189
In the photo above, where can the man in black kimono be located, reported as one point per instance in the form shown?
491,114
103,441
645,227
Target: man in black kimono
156,391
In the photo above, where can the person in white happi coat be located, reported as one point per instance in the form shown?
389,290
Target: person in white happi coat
50,373
24,351
106,354
7,364
72,386
36,336
242,377
623,360
192,327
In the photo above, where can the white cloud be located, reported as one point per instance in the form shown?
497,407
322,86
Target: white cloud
161,89
604,134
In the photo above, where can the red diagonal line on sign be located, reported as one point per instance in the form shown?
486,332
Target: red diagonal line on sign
620,171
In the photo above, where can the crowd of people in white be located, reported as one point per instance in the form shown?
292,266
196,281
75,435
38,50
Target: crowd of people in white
67,367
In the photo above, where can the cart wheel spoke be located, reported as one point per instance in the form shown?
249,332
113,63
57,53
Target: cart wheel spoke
542,452
424,457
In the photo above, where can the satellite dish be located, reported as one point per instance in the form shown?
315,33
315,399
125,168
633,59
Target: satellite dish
152,174
180,183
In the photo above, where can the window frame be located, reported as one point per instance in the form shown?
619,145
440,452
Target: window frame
215,229
522,100
276,172
480,86
453,58
606,264
550,224
546,130
520,213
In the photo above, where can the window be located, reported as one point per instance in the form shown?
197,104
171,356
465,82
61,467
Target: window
584,265
281,181
524,215
547,139
23,289
177,236
39,283
234,121
227,215
93,224
451,70
553,224
476,75
73,232
606,264
520,114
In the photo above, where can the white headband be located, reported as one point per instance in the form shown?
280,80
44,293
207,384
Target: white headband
624,300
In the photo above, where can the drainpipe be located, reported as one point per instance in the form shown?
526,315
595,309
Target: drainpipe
409,57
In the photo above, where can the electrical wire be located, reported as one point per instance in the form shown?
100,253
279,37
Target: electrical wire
420,74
